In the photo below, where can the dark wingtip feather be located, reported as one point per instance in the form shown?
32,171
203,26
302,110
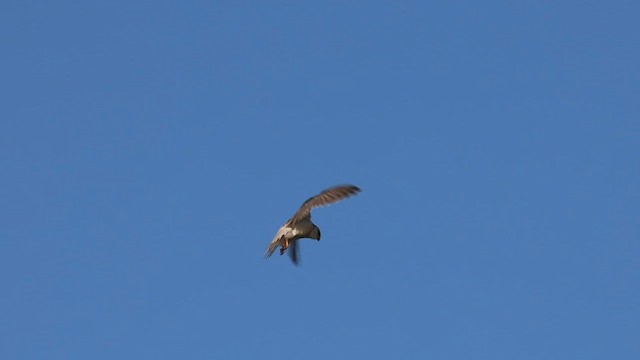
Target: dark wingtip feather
351,189
294,253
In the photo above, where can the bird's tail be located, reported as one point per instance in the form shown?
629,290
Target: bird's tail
272,247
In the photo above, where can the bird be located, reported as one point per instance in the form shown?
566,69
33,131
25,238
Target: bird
300,225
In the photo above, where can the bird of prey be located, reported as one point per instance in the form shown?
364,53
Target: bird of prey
300,225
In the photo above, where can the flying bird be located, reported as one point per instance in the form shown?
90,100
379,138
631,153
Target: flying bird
300,225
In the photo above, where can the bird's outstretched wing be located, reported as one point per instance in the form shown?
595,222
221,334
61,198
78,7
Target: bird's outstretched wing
326,197
294,252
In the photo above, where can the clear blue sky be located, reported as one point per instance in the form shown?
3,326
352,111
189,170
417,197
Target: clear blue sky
149,151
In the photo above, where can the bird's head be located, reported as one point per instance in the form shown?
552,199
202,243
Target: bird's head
315,233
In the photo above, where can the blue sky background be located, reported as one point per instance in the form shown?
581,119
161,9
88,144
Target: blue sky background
149,151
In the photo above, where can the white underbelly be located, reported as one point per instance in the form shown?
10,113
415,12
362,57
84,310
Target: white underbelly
300,230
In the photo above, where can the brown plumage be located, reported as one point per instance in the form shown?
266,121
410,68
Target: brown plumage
300,225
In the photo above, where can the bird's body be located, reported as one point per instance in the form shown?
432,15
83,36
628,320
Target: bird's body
300,225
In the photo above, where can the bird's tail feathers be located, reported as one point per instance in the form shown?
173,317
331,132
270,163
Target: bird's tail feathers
272,248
